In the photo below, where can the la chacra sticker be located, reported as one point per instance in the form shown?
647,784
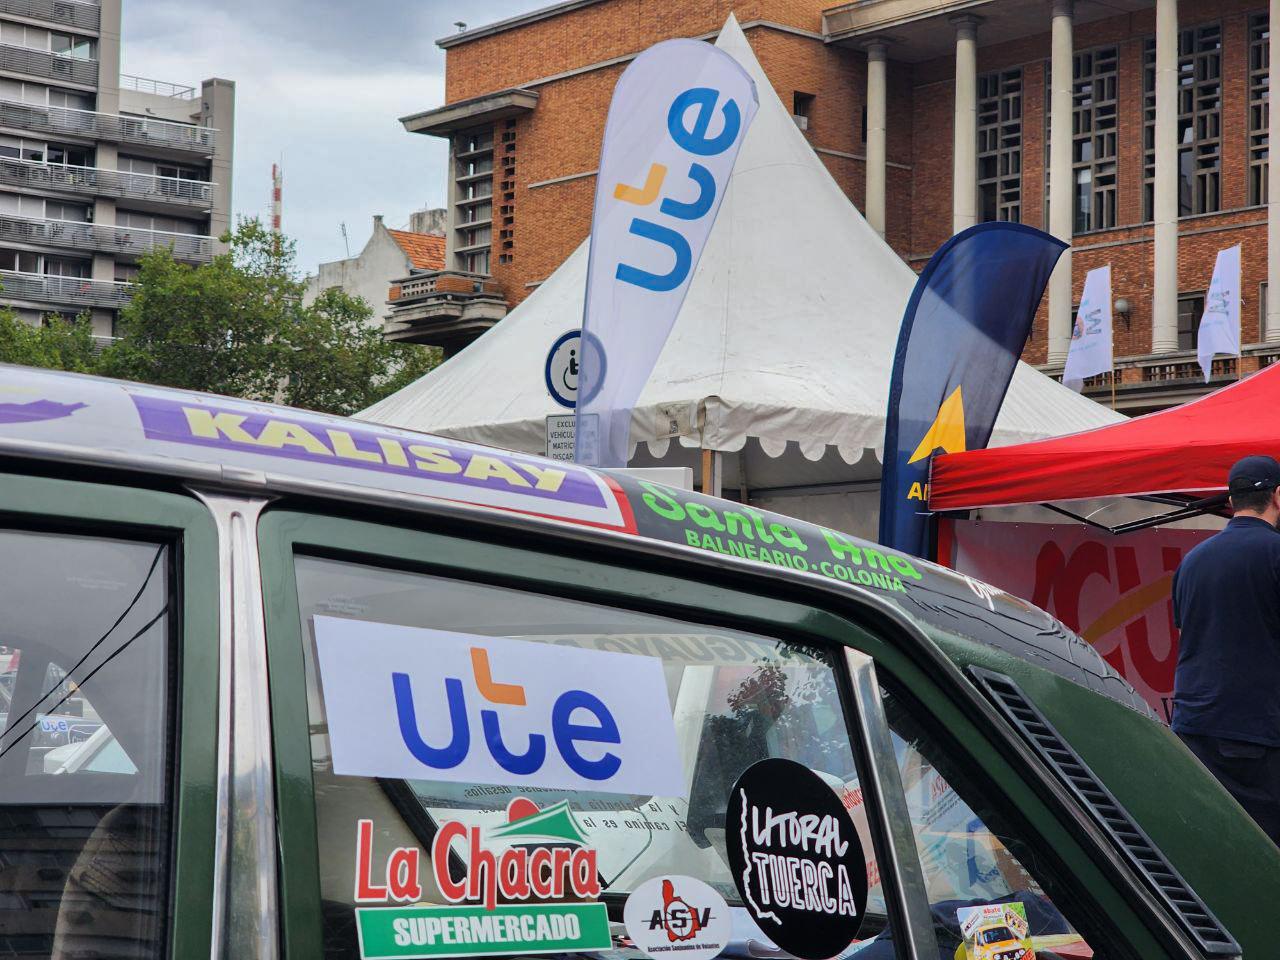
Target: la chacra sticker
530,887
796,859
674,916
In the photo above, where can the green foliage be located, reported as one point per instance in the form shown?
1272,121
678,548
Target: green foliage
235,326
57,343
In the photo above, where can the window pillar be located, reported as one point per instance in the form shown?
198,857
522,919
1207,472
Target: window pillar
1164,300
1273,193
1061,189
964,179
876,134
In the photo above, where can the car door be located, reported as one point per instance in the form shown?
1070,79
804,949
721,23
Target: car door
108,667
738,674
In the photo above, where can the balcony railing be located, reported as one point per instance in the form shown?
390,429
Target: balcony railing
83,16
40,63
73,235
77,291
95,181
107,126
159,88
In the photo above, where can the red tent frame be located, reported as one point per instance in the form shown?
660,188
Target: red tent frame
1187,449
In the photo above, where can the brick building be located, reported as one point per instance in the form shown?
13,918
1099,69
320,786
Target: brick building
931,115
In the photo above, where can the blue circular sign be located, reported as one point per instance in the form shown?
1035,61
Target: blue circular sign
564,364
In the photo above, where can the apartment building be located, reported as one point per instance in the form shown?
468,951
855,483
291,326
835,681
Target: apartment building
96,167
1138,130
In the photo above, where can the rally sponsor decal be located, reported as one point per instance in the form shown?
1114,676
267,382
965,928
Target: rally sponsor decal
537,863
717,526
417,704
796,859
675,916
995,931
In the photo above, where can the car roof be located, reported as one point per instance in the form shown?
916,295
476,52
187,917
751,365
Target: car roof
202,438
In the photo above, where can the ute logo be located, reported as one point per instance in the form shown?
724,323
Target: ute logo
677,916
410,703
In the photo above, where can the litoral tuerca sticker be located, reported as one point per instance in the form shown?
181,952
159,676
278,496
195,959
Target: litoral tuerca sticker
796,859
672,916
536,858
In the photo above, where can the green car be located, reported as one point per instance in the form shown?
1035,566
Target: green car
361,692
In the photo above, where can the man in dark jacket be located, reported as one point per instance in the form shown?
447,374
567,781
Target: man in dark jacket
1226,602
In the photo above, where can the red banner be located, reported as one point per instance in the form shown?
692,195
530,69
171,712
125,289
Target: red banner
1113,591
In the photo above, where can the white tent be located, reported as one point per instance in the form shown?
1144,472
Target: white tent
780,358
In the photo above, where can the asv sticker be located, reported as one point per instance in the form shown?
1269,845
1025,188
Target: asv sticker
415,704
532,863
677,916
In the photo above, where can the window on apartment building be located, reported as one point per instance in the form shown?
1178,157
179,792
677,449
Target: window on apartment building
19,260
802,109
77,212
473,166
1094,138
1190,310
1259,118
1199,121
19,148
72,45
1000,146
67,267
69,99
70,156
477,262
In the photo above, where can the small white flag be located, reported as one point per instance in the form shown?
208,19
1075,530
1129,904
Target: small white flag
1220,325
1090,353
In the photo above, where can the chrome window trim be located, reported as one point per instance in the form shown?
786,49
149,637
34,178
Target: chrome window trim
890,801
245,887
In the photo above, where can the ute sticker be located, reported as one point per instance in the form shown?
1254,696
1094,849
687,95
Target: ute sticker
418,704
535,859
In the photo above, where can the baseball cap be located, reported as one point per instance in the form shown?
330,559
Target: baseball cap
1254,473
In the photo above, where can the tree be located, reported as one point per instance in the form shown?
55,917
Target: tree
236,326
57,343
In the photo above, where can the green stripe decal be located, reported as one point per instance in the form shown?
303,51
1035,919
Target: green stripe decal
473,931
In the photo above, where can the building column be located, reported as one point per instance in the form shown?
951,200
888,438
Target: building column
876,134
1273,201
1061,185
1164,293
964,177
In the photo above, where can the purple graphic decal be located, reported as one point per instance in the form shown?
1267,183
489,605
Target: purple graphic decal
338,444
36,410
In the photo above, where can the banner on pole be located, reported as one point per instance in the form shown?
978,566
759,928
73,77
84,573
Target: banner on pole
1220,325
1091,338
678,118
964,328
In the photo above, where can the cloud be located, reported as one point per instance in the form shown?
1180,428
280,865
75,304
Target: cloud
319,87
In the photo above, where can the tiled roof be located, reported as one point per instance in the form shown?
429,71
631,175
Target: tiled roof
425,250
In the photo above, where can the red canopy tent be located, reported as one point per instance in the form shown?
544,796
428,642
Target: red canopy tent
1186,449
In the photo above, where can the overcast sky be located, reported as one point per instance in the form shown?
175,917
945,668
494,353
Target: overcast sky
319,87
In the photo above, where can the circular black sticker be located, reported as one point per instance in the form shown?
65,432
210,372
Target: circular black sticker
796,859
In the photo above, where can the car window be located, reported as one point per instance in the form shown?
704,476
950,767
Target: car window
732,698
84,746
986,884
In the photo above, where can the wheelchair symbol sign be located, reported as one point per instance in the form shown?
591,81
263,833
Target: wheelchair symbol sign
564,364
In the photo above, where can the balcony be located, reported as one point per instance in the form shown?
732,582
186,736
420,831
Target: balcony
1142,384
446,308
157,88
122,241
97,182
39,63
71,13
67,291
141,131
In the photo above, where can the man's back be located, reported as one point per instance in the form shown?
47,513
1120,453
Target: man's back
1226,597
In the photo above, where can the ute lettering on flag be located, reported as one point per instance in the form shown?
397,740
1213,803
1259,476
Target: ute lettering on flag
1220,325
678,117
962,333
1090,350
